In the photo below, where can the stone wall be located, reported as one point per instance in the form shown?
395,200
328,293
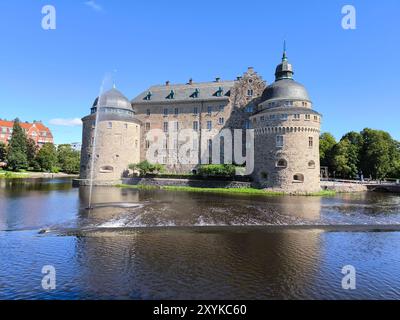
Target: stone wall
117,146
166,182
277,167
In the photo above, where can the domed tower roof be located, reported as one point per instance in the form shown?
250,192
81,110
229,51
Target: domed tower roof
113,99
284,87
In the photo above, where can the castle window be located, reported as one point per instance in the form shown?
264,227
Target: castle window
176,126
106,169
296,116
136,143
109,125
247,124
279,141
165,126
195,110
148,112
282,163
298,177
126,126
148,96
147,144
315,118
311,164
310,142
195,125
147,125
288,103
249,109
176,111
262,118
209,125
221,108
250,92
209,110
165,112
307,117
264,175
221,121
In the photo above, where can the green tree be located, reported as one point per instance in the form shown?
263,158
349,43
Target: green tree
16,156
345,159
3,151
327,143
47,158
31,151
379,154
68,159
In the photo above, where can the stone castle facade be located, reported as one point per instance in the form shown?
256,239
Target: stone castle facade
286,128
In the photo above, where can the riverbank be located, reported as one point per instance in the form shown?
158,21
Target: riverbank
34,175
248,191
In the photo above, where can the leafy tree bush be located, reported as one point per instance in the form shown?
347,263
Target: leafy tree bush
326,144
47,158
217,170
17,151
31,152
146,167
3,152
68,159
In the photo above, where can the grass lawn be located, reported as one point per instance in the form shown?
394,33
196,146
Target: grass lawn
248,191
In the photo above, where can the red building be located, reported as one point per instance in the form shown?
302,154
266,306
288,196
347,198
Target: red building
37,131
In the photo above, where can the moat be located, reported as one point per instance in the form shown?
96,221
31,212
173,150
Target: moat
181,245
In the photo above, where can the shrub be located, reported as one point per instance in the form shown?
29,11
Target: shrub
217,170
146,167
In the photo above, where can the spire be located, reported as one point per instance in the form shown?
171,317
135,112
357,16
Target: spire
284,70
284,57
114,86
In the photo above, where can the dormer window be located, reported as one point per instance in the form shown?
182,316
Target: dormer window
195,94
219,92
148,96
171,95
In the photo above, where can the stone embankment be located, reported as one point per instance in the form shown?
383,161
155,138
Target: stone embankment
159,182
343,187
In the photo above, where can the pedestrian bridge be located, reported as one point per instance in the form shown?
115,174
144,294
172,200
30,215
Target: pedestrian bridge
384,187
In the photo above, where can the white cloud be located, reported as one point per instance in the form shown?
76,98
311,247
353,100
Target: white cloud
95,6
66,122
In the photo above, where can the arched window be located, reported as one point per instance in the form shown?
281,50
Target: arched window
264,175
311,164
298,177
106,169
281,163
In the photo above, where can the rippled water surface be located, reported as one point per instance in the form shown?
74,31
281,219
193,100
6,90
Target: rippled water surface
157,244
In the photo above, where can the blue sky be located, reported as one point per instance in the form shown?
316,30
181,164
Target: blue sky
351,75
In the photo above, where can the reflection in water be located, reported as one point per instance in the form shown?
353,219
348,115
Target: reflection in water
191,245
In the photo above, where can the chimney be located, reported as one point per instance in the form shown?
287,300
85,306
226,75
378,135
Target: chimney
217,79
167,83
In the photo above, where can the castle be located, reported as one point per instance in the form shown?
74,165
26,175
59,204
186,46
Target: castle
286,128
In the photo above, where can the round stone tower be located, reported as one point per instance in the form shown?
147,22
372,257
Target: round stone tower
286,133
116,140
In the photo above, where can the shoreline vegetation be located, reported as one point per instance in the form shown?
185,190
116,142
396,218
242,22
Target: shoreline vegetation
246,191
33,175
